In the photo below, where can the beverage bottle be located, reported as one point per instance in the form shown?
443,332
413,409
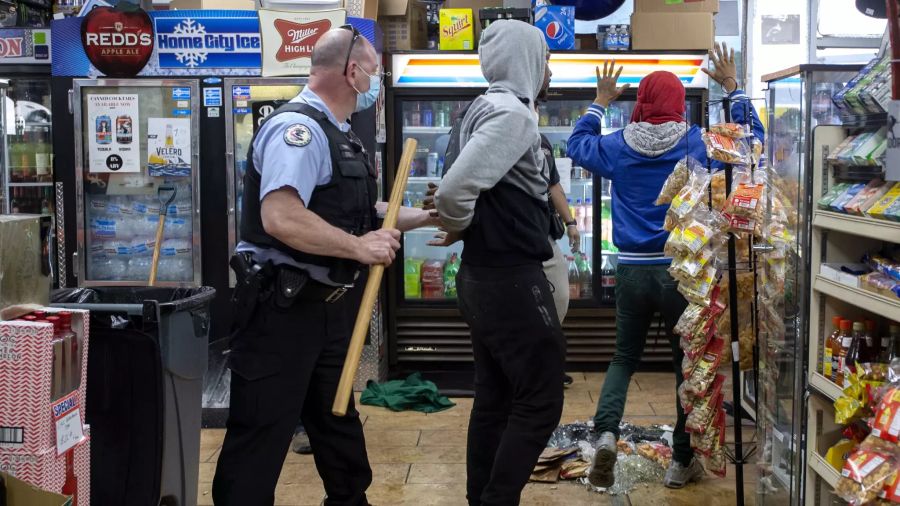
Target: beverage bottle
832,348
70,487
574,116
564,118
579,214
544,118
588,216
857,352
624,38
407,199
873,344
554,118
890,345
416,116
427,116
556,152
571,208
57,389
846,340
563,149
609,40
587,277
574,279
71,352
607,281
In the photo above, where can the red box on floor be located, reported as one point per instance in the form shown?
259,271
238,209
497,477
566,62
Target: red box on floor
48,472
26,380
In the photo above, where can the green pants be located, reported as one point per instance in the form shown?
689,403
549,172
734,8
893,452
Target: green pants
642,291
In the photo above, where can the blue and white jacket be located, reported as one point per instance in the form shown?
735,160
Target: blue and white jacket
638,160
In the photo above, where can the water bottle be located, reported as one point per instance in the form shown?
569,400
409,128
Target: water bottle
179,228
625,38
609,40
175,247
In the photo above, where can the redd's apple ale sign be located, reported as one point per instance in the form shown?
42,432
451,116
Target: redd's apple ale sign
118,40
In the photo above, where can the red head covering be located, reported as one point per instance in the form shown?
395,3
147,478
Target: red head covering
660,99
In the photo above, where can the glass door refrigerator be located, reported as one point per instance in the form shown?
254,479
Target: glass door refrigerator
427,93
248,102
135,141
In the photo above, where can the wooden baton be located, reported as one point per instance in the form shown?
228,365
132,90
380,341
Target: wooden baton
364,317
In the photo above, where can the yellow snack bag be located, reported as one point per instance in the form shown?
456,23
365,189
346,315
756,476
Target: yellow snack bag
882,205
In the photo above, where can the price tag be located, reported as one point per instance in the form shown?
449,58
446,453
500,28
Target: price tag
67,419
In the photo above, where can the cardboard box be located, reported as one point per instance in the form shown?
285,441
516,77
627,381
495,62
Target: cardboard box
403,23
22,260
457,30
476,6
711,6
651,31
44,470
362,8
288,39
19,493
26,379
558,24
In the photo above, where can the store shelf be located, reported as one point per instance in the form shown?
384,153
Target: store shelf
420,130
29,185
823,469
864,226
824,386
422,179
863,299
556,130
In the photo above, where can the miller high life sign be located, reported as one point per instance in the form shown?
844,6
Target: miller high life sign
289,38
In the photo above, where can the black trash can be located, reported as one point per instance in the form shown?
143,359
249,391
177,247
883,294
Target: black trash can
146,361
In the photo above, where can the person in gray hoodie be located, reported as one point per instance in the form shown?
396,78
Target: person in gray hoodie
495,200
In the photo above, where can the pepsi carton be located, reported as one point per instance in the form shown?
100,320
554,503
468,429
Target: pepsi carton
558,24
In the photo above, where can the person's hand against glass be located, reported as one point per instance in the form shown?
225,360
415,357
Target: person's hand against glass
607,89
574,238
724,67
443,239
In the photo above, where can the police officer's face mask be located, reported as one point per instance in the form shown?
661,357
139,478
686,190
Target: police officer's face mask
367,99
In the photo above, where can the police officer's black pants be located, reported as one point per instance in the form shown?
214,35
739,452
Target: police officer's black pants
285,367
519,352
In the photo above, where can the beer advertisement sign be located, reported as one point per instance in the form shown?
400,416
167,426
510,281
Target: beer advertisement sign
113,128
289,38
118,41
169,147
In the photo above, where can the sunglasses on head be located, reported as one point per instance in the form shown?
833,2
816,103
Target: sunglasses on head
356,34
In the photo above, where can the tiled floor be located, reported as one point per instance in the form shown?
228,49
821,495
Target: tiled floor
419,459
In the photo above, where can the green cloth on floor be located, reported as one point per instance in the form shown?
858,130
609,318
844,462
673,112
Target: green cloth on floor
413,394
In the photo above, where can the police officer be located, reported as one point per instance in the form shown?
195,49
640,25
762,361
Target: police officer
308,231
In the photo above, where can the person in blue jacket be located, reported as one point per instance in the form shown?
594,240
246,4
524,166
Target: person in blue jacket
638,160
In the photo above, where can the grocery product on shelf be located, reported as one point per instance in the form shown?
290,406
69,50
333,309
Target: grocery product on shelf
574,279
607,281
831,349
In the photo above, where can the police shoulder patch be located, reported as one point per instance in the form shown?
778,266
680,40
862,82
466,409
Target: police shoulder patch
297,135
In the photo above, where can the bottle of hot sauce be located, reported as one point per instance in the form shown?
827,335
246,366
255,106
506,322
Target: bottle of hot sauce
832,349
846,341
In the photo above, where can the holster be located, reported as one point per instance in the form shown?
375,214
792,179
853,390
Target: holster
252,280
289,282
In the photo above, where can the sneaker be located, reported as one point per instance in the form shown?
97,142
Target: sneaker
300,444
601,473
567,380
677,476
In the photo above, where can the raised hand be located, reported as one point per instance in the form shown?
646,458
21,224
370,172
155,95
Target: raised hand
725,68
607,90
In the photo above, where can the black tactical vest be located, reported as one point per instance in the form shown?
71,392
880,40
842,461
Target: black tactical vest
346,202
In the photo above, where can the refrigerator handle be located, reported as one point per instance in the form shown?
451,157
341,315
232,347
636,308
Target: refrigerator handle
229,162
71,97
76,266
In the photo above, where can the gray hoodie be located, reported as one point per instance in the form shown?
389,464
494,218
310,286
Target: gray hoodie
499,139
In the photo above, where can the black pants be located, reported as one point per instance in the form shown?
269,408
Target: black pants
285,367
519,354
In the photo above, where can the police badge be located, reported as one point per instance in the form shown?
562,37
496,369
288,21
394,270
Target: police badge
297,135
